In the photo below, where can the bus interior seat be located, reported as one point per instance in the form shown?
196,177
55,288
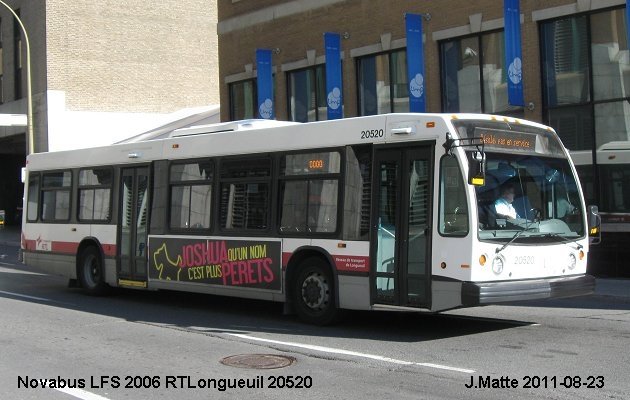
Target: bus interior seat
522,206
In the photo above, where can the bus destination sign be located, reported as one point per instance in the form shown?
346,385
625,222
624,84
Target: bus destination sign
317,164
497,138
252,263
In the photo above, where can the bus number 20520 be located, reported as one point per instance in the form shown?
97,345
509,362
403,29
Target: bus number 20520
372,134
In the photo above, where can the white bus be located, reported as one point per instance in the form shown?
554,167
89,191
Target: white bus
606,183
383,212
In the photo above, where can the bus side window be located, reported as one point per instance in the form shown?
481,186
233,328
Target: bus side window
94,197
191,194
56,188
453,216
309,192
245,193
357,193
33,198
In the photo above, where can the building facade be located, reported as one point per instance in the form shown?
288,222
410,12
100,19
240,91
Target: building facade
101,71
575,66
575,55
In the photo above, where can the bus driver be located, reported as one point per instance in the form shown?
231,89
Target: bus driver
503,205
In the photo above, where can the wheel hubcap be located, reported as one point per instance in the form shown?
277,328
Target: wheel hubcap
93,272
315,291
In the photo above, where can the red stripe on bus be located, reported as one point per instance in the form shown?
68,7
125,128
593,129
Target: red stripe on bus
614,218
109,250
285,259
64,247
27,244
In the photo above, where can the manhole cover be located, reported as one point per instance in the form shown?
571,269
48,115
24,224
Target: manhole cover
258,361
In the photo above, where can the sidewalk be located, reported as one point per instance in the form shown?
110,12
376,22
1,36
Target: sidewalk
613,287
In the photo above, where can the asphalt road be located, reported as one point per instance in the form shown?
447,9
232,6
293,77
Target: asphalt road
166,345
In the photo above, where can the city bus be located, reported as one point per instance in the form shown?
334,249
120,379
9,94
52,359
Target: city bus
384,212
606,183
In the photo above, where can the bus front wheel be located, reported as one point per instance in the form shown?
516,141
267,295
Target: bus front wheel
92,272
314,294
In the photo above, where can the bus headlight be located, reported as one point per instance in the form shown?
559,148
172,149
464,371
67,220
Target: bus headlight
572,261
497,265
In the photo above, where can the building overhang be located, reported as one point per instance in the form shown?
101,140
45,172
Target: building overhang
12,119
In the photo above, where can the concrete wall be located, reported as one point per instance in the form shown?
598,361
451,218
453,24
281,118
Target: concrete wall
110,66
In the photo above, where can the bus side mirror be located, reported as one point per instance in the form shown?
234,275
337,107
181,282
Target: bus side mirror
594,224
477,169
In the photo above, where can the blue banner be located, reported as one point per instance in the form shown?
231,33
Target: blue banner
513,56
334,98
265,84
415,63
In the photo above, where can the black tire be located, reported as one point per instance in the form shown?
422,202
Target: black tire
313,293
92,272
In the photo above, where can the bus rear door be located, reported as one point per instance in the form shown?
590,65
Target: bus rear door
132,240
401,236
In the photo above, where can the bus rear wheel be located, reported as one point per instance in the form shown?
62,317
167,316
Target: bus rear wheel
92,272
314,294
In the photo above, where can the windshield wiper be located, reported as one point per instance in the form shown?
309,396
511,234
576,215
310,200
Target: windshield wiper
516,235
554,234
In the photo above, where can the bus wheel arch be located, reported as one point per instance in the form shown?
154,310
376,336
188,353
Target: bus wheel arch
312,287
91,268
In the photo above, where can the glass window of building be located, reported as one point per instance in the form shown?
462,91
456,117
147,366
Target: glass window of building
243,100
474,76
586,70
383,83
307,94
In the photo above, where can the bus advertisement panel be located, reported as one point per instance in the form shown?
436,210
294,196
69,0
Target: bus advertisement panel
252,263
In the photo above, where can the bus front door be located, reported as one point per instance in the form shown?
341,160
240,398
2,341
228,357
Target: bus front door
401,239
132,240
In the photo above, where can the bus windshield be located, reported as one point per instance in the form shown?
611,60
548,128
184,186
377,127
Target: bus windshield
530,195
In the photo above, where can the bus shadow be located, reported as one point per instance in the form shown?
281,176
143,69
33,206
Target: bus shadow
217,314
589,302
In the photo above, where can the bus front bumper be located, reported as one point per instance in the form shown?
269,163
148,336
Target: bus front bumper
480,293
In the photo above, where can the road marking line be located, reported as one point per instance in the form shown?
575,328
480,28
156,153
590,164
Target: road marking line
25,296
263,328
352,353
82,394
